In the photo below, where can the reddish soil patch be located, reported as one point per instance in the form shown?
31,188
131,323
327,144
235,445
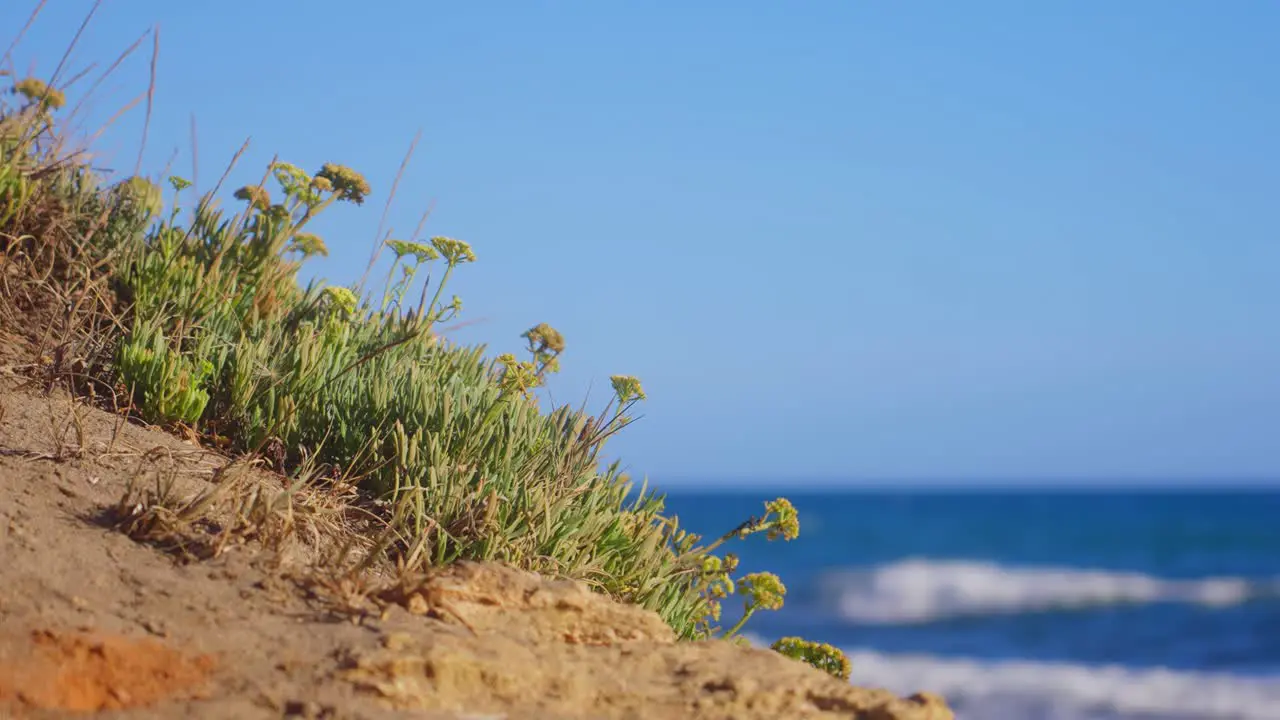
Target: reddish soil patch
86,672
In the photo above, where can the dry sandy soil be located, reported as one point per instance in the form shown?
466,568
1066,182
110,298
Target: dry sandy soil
94,622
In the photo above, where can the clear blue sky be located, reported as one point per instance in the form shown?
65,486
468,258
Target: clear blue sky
837,240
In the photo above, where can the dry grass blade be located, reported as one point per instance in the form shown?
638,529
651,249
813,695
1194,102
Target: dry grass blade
195,157
378,244
238,507
151,97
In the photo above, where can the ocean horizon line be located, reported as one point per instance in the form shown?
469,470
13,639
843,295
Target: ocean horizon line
828,485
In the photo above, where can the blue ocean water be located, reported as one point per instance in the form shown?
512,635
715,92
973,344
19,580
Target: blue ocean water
1061,605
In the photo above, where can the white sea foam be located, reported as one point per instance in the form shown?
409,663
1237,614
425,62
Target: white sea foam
919,590
1021,690
1025,690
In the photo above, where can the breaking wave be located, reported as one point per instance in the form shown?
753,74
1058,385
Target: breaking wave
1019,690
918,590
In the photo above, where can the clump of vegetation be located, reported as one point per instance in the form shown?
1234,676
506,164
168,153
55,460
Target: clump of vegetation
820,655
208,327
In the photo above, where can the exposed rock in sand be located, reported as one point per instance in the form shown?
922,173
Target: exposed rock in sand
554,648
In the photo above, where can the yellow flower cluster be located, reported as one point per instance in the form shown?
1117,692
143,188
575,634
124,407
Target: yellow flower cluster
421,251
454,251
342,297
763,590
787,525
820,655
627,387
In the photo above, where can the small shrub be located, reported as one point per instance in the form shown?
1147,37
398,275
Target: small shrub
214,331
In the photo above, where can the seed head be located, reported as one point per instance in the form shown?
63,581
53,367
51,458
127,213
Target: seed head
730,562
36,90
347,183
544,338
256,195
309,244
